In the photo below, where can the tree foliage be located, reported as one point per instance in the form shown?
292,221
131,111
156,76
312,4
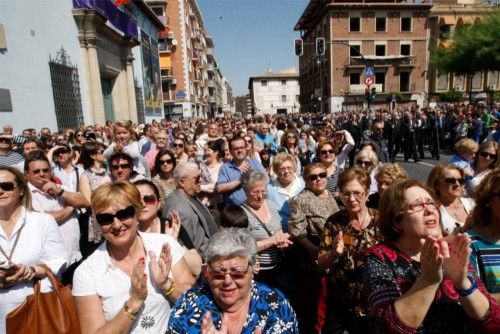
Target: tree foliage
474,48
451,96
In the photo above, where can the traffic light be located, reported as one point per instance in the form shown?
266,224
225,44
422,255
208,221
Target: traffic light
373,94
320,46
299,47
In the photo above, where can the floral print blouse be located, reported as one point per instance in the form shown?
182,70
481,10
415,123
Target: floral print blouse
346,271
390,273
268,309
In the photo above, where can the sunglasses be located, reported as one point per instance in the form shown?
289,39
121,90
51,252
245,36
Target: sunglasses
149,199
486,155
5,140
7,186
453,180
235,273
314,177
166,161
325,152
61,151
79,134
40,170
364,162
177,145
122,215
122,166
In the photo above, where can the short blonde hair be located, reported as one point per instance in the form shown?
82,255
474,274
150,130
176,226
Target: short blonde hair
280,158
436,175
369,153
393,171
120,192
466,145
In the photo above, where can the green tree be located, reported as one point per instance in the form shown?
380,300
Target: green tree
474,48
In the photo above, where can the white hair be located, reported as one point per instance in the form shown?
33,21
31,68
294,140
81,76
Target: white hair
184,169
231,242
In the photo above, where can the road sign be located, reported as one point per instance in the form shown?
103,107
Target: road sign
369,71
369,81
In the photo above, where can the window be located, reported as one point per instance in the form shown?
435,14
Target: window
380,25
283,98
404,81
353,53
380,79
354,78
354,24
380,50
406,24
283,82
263,83
405,50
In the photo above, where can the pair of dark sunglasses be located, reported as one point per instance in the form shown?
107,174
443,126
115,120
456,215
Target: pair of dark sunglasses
453,180
104,219
7,186
314,177
486,155
122,166
149,199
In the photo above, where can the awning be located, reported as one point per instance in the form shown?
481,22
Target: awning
447,21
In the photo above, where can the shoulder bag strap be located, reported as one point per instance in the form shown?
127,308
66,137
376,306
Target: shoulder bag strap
247,208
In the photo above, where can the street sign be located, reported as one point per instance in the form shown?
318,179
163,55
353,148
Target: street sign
369,81
369,71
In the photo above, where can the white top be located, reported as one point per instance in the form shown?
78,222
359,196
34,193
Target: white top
448,223
40,242
476,180
70,229
97,276
344,153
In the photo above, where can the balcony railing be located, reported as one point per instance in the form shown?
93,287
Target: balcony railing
167,74
382,61
210,83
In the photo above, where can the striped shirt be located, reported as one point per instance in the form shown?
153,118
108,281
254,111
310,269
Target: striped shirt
485,258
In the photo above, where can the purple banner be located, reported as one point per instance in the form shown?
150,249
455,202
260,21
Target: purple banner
116,17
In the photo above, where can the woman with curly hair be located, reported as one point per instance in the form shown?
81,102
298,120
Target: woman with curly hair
484,230
386,175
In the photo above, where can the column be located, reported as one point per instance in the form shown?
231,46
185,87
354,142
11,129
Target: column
95,83
128,60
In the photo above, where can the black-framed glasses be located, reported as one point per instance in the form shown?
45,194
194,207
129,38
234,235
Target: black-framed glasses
325,152
5,140
419,206
488,155
122,166
314,177
235,273
166,161
364,162
177,145
122,215
454,180
41,170
7,186
150,199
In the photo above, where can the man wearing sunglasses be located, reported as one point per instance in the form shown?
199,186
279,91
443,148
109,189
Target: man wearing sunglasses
8,156
59,201
195,217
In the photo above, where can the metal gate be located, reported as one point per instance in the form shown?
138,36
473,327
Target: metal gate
66,91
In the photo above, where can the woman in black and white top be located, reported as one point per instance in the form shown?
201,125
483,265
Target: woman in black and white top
264,224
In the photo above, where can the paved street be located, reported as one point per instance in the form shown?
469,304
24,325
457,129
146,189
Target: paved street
421,170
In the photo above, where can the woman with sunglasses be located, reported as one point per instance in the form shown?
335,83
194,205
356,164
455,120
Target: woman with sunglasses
309,211
128,284
486,161
326,154
28,239
165,163
290,145
231,301
179,149
483,227
367,160
78,141
447,182
415,281
151,221
346,237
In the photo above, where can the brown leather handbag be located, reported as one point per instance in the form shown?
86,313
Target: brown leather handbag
52,312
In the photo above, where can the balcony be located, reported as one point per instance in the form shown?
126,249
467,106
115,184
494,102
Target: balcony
210,54
164,47
211,83
167,74
210,68
360,89
211,99
381,61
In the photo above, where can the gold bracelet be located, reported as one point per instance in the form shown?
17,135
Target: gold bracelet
170,290
126,312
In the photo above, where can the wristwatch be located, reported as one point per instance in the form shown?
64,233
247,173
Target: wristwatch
471,289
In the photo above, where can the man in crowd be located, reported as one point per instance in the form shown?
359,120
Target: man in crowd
211,135
409,127
8,156
377,137
265,138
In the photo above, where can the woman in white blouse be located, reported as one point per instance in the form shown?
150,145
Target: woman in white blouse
27,240
128,284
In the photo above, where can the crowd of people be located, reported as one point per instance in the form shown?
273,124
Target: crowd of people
270,224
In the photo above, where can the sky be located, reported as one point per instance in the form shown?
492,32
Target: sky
251,34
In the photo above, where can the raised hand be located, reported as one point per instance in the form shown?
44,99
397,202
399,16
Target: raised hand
138,280
433,253
160,267
174,224
455,265
245,167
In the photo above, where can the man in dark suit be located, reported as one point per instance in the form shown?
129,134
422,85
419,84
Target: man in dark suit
410,148
195,217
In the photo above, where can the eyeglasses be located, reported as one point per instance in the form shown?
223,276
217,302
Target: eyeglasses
7,186
291,137
488,155
196,179
165,162
249,141
61,151
121,215
5,140
453,180
150,199
314,177
122,166
79,134
419,206
356,194
235,273
177,145
364,162
40,170
325,152
285,169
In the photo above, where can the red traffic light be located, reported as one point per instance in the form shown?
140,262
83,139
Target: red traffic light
299,47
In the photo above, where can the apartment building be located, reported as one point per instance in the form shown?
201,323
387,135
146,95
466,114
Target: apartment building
391,35
446,17
275,92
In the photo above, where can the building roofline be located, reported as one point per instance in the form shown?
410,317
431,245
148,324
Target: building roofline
149,13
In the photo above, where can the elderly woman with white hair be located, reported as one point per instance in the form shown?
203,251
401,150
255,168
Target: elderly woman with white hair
231,301
264,224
